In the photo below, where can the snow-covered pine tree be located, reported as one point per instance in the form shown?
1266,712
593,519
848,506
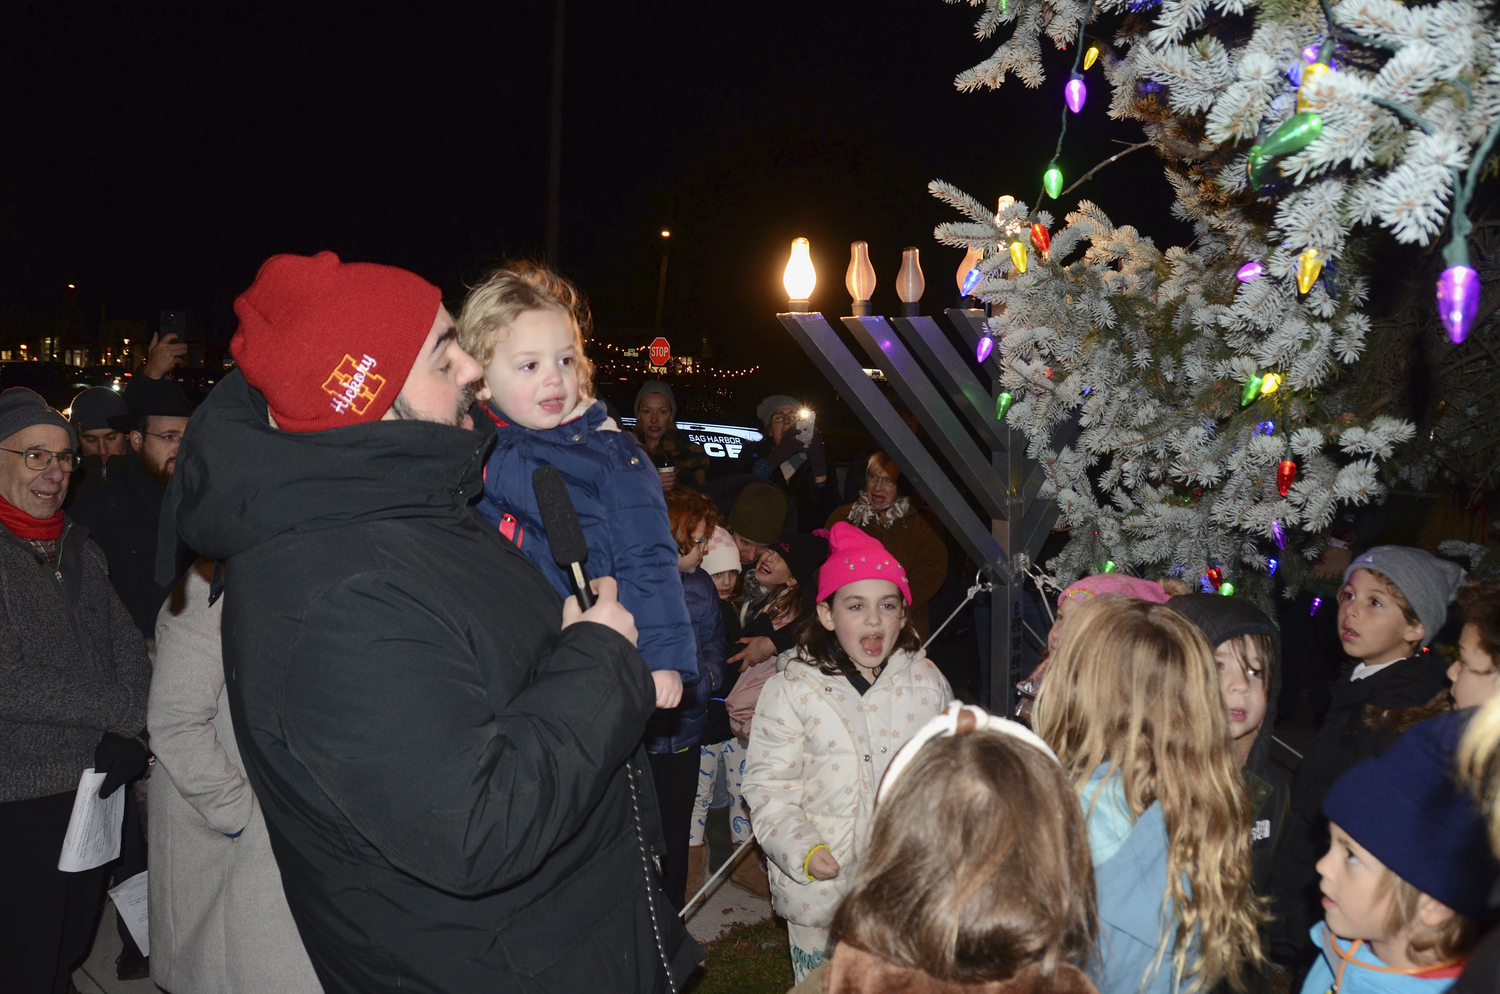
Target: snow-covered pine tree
1152,349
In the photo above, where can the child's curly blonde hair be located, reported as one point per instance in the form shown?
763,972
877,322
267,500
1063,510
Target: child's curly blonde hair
505,294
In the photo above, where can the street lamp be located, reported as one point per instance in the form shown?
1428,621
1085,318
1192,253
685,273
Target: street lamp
661,280
799,278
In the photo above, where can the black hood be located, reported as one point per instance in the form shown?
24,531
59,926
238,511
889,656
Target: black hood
240,482
1224,618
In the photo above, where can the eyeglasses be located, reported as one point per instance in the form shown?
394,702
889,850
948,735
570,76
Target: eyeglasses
40,459
171,437
874,479
783,419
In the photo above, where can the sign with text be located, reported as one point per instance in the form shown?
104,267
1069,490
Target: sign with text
660,351
716,441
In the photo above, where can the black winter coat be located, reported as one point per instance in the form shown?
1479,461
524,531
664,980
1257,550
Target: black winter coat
124,518
1350,734
446,775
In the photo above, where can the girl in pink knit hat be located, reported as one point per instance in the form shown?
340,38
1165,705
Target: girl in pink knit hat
839,706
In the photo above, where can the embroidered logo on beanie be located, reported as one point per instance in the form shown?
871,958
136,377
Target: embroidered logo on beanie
353,386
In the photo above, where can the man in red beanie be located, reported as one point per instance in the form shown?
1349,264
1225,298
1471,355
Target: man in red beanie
444,751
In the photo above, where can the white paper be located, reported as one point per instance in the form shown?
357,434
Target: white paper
93,836
130,901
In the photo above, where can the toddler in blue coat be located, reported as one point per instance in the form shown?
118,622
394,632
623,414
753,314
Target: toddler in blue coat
525,324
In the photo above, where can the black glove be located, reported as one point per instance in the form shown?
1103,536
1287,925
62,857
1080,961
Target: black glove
120,759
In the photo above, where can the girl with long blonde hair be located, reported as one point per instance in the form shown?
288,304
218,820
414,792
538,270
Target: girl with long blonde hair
1132,708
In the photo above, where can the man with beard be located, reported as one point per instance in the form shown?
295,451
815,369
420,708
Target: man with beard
123,517
446,754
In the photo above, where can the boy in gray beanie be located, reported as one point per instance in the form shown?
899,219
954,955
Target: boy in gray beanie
1393,602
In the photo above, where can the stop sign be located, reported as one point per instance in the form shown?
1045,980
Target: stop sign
660,352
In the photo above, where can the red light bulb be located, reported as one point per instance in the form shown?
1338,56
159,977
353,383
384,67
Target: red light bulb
1286,475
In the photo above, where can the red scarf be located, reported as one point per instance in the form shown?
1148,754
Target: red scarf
27,527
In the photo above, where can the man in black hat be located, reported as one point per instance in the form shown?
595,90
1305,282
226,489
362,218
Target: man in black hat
123,518
106,451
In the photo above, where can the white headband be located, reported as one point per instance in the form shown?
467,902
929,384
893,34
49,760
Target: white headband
947,724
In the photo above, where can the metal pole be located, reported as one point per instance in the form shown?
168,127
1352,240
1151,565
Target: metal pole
554,143
661,290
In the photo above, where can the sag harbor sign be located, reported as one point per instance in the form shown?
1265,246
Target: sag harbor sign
717,441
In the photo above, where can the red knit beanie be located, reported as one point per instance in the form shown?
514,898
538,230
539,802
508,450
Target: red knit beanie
330,343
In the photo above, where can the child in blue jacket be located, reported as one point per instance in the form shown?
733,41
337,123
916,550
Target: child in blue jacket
525,324
1408,872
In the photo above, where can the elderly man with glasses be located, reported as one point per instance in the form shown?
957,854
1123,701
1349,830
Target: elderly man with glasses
74,679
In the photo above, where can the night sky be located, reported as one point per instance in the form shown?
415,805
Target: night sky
154,159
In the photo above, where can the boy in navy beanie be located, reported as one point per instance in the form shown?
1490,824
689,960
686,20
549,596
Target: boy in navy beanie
1408,873
1393,601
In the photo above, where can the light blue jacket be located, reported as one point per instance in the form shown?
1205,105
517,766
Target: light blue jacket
1130,876
1357,980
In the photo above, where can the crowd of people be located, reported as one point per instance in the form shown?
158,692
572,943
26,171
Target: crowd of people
371,740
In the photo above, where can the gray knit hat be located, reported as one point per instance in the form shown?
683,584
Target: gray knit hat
92,409
1427,582
21,408
772,404
650,387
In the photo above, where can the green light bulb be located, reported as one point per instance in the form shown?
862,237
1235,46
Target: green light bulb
1296,133
1252,389
1226,589
1002,404
1052,180
1109,566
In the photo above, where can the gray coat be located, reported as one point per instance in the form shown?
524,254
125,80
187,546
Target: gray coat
219,920
72,664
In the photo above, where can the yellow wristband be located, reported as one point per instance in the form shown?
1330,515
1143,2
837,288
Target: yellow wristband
808,860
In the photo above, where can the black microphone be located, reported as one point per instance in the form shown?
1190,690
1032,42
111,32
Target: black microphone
570,550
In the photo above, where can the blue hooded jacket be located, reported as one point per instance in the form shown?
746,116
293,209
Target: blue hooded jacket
682,727
618,496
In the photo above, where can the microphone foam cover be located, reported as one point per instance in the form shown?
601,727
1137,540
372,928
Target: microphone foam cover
559,517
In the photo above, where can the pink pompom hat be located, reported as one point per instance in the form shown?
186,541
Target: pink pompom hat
855,556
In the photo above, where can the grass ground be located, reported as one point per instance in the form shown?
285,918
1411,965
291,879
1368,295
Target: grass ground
752,959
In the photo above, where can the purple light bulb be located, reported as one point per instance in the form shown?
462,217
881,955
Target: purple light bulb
1310,53
1249,272
1278,534
971,280
1317,602
1458,301
984,348
1075,93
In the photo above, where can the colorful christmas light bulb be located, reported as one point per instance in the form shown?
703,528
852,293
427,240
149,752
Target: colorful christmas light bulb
1310,53
1249,272
1075,93
1278,534
1227,589
1296,133
1309,74
1215,576
1286,475
1052,182
1090,55
1270,383
971,280
1250,391
1002,404
1018,255
1317,602
1041,238
1458,301
1271,566
1109,566
1309,265
984,348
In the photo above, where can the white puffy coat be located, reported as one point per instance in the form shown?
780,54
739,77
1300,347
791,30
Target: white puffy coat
817,752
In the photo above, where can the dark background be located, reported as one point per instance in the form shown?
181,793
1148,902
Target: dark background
155,157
